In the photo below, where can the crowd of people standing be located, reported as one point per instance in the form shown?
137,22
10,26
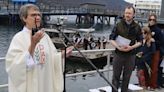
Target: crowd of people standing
145,51
89,42
152,56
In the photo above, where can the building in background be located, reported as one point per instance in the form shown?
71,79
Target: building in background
146,7
162,9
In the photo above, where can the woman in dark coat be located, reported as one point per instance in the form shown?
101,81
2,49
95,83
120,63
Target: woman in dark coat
157,35
144,57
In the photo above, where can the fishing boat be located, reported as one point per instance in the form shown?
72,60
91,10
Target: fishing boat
99,57
58,41
57,38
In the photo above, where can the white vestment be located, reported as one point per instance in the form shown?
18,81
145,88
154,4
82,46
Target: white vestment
45,76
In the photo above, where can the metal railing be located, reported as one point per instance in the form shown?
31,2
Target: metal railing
110,51
65,11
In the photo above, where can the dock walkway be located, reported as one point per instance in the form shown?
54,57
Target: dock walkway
79,83
94,81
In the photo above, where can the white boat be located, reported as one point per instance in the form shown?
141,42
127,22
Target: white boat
95,53
83,30
57,38
87,30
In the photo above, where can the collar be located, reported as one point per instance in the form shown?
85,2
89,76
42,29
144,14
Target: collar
128,22
152,26
26,29
132,23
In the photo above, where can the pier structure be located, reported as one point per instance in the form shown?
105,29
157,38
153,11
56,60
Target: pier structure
87,12
95,11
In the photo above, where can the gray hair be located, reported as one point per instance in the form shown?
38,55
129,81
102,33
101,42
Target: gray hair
23,13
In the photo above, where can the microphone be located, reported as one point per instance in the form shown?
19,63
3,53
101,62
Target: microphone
34,30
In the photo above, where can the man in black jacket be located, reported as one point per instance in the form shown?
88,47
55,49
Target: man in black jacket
124,59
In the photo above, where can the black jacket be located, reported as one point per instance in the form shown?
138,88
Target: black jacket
157,36
130,31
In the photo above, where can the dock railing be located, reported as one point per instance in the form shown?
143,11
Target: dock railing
110,51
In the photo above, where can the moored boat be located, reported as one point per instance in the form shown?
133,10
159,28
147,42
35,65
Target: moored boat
92,54
57,38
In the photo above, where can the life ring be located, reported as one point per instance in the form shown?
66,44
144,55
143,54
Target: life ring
47,18
93,44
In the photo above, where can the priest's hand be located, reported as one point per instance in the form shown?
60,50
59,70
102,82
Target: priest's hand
35,39
68,51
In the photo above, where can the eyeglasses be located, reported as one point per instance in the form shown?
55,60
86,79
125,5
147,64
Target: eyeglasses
152,19
35,14
144,33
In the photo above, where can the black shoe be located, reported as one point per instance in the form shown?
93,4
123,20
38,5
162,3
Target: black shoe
162,86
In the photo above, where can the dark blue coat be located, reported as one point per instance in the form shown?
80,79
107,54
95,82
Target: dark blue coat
158,36
147,55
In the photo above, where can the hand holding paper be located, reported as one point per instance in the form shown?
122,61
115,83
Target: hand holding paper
122,41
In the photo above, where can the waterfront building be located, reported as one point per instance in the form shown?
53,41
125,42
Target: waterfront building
162,9
146,7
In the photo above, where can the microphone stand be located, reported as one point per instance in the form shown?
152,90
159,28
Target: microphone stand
58,26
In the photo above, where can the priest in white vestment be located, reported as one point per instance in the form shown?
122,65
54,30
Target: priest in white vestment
32,62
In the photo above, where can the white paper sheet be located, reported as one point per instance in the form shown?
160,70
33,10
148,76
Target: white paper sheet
122,41
162,65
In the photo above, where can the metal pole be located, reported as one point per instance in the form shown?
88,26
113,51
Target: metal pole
108,65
